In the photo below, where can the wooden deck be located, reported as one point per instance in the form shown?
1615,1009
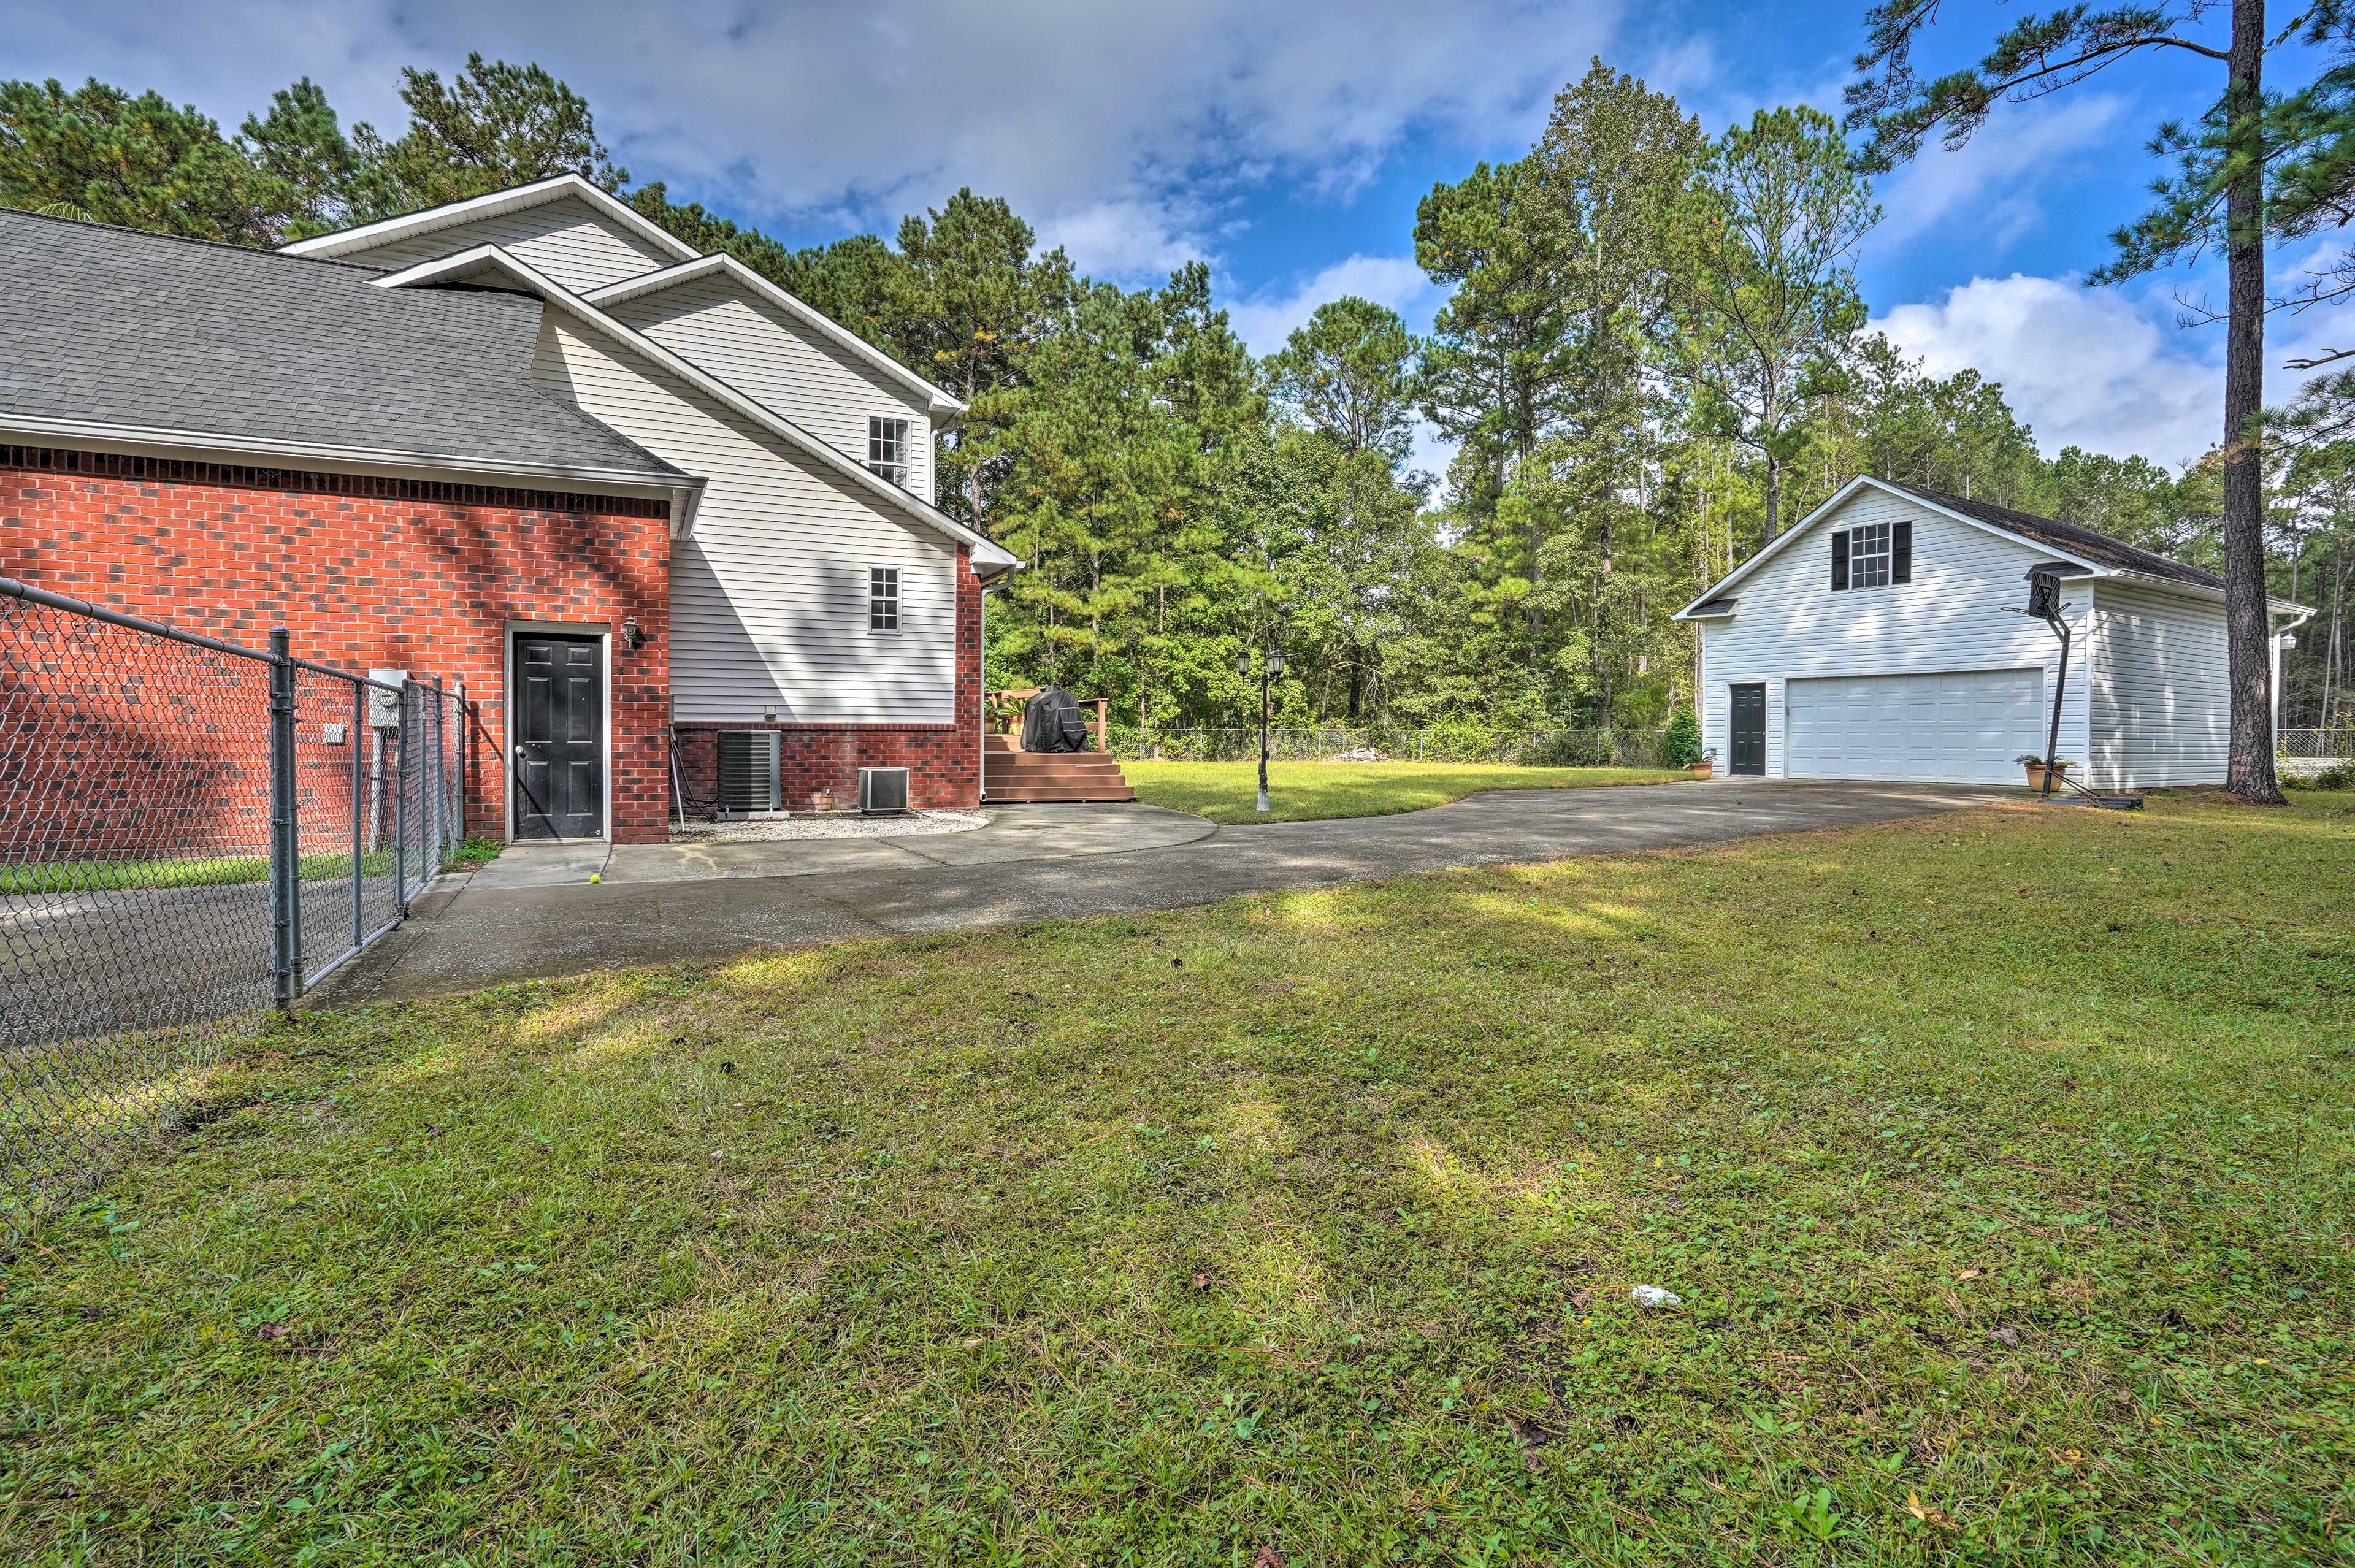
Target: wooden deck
1018,777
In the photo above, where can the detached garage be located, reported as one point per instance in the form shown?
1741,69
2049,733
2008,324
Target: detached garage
1876,640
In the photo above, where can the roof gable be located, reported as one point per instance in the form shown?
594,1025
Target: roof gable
1978,516
728,272
488,261
608,210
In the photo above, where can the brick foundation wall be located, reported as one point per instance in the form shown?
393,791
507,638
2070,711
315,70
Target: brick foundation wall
943,761
365,574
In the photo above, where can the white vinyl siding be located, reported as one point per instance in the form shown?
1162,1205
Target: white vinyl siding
2162,702
574,246
1790,625
769,592
720,326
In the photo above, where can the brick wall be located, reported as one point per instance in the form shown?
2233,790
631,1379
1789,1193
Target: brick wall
943,761
365,574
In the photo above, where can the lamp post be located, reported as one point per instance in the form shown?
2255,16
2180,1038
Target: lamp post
1270,667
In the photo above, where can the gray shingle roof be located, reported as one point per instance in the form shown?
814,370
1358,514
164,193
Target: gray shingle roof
2075,538
118,326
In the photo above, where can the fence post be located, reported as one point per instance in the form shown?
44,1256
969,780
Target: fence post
401,810
359,728
463,738
285,966
438,807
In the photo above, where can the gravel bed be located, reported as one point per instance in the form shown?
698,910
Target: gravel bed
771,829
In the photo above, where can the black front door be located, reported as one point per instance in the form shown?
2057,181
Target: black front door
559,691
1750,729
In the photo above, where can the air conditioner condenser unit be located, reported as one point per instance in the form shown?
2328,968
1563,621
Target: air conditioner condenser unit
883,789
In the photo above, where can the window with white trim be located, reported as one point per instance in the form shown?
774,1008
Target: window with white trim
886,449
883,599
1869,556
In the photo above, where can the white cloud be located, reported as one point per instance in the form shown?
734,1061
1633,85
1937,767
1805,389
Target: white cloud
1989,193
1120,129
1265,319
2103,368
2090,368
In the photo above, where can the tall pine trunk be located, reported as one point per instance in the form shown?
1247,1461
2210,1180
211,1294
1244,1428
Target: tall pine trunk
2248,627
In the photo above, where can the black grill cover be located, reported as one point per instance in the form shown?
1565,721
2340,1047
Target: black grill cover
1051,722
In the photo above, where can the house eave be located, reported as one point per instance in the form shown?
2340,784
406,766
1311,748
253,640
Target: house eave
2202,592
214,446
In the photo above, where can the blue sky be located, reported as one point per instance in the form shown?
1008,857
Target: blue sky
1287,145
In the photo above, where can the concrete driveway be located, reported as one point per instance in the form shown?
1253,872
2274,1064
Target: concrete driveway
659,902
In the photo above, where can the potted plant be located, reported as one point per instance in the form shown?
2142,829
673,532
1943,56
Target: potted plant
1704,765
2035,766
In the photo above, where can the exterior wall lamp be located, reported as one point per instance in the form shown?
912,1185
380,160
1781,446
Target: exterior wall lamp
634,637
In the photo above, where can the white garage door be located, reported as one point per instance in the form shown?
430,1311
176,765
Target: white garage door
1965,727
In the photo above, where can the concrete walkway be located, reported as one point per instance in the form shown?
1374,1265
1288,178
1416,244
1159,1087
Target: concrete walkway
533,911
1016,832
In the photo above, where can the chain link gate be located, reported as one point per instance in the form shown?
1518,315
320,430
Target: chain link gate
192,834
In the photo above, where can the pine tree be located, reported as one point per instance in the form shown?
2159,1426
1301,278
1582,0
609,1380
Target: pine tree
492,126
99,153
1495,371
1764,296
2252,167
1349,373
966,306
300,146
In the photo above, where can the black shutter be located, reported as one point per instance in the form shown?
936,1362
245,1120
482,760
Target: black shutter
1840,558
1900,551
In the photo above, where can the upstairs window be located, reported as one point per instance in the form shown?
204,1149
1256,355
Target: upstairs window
883,599
1873,555
1868,555
886,450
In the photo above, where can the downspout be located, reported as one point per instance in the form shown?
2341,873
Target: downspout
2282,633
981,704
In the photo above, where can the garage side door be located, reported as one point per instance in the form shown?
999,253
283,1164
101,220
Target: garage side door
1962,727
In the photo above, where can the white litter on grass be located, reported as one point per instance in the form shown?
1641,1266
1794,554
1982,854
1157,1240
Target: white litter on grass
772,829
1653,1295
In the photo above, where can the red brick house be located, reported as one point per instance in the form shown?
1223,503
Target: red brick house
632,496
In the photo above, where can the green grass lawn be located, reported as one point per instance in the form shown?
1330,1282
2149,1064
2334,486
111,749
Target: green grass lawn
1308,791
206,871
2003,1161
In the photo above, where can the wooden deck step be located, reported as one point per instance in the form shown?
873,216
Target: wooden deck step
1018,777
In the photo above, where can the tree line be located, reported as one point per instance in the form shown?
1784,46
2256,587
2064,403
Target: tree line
1652,358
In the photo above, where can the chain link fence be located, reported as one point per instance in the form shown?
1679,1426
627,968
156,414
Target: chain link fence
1528,748
192,833
2306,752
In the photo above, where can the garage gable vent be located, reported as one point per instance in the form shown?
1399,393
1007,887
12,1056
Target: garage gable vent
747,769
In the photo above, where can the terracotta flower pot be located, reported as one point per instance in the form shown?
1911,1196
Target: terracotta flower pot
1704,769
2036,775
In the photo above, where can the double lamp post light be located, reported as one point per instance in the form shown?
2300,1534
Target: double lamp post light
1271,666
